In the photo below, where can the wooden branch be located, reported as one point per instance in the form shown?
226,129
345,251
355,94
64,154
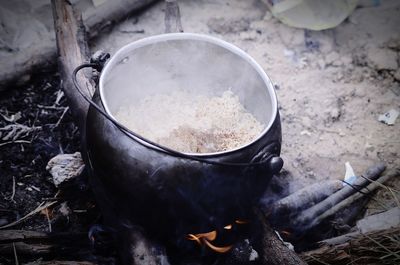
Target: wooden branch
365,191
73,51
172,17
38,244
275,252
308,217
60,262
302,199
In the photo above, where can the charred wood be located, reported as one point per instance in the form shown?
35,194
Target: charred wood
39,244
366,191
274,251
338,200
302,199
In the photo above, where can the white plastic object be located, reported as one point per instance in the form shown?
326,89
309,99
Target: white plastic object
312,14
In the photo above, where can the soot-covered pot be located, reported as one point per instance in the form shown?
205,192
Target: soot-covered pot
168,194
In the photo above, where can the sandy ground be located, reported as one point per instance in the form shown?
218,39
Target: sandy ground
332,85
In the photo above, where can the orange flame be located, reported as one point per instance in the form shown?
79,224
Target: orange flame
205,238
218,249
228,227
241,222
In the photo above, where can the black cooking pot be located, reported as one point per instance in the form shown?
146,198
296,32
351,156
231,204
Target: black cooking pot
169,193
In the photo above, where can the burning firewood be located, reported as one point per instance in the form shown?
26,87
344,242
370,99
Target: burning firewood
322,210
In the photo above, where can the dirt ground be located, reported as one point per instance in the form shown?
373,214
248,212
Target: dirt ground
331,85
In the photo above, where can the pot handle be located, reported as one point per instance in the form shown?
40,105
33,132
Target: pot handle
268,155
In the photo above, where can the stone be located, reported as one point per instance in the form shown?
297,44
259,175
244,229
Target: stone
64,167
382,59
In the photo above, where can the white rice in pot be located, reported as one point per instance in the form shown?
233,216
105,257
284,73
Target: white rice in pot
192,124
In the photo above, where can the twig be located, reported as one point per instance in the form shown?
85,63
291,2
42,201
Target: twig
51,107
376,247
41,206
48,219
391,253
392,191
13,190
62,116
15,142
16,131
15,254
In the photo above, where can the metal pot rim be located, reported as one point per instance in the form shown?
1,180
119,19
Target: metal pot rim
194,36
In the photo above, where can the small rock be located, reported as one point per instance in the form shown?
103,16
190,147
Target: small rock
248,35
305,132
382,59
331,58
65,167
389,117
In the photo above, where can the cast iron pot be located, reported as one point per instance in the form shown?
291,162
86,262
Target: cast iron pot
172,194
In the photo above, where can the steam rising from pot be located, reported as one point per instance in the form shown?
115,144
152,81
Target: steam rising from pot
191,123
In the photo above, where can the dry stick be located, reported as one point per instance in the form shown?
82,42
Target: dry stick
13,190
39,244
372,248
73,51
15,255
15,142
370,188
306,218
61,117
274,251
63,262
